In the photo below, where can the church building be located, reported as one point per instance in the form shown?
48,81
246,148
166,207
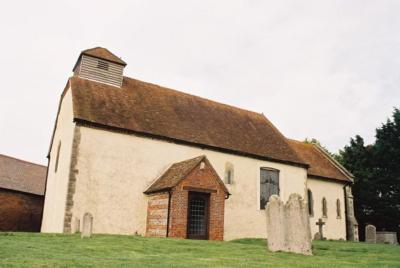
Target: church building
138,158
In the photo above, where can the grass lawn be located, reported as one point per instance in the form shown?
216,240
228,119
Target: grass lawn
48,250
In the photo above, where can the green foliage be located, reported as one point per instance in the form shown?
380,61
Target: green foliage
46,250
317,142
376,169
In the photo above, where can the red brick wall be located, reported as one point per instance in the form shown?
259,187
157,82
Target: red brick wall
20,211
157,214
203,179
178,213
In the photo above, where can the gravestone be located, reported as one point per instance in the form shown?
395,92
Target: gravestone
77,228
370,234
317,236
87,225
320,234
288,226
275,224
298,231
387,238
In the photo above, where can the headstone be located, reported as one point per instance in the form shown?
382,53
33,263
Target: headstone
370,234
87,225
288,226
77,225
317,236
275,224
320,224
387,238
298,231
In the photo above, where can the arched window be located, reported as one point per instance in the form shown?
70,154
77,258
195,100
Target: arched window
324,208
310,203
58,156
229,173
338,211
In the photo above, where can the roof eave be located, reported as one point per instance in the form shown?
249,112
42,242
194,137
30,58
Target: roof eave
165,189
343,170
330,179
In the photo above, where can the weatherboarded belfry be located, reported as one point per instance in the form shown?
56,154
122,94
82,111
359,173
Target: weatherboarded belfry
99,64
145,159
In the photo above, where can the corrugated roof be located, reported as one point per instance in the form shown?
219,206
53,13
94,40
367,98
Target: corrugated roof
150,109
22,176
321,164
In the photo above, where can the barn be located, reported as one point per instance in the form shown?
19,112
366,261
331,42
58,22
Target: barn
21,194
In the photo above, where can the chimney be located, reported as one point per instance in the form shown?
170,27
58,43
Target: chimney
100,65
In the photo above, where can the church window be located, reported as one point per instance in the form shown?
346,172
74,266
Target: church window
58,156
228,173
338,211
324,208
310,203
269,185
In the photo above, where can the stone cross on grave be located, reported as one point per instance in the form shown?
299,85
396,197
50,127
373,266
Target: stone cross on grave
320,223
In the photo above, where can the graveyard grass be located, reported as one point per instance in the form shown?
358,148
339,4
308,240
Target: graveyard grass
50,250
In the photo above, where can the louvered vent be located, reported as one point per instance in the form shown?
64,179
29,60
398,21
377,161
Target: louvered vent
102,65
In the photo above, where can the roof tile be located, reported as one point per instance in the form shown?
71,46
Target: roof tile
150,109
320,163
22,176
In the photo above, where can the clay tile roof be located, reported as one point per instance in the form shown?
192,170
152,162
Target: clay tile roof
22,176
149,109
174,174
321,164
103,53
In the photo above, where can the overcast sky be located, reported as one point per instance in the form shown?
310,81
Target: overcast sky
322,69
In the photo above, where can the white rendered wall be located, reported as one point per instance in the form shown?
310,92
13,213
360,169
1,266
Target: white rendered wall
335,227
115,169
57,182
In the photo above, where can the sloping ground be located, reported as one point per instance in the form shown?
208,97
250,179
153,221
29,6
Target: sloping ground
46,250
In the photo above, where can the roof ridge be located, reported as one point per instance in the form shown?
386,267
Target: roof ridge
196,96
21,160
191,159
301,142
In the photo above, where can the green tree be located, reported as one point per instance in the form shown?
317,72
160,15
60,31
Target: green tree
376,169
387,173
317,142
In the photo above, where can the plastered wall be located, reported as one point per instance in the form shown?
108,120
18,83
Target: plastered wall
335,227
57,181
115,169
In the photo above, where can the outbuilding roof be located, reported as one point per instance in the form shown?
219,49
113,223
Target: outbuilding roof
22,176
176,173
321,164
160,112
